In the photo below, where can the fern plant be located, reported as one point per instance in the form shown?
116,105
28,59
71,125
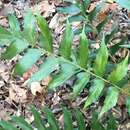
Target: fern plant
77,11
50,122
65,63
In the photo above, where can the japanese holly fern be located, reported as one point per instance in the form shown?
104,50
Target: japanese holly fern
51,123
26,43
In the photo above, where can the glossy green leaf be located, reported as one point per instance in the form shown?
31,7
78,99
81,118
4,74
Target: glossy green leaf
46,33
69,1
14,24
67,120
83,50
124,3
101,59
29,31
87,29
72,9
15,48
7,126
76,18
110,100
66,43
4,34
86,3
83,5
22,123
49,65
82,80
27,61
1,128
96,125
120,71
127,103
111,124
95,92
37,119
125,46
67,71
80,120
51,119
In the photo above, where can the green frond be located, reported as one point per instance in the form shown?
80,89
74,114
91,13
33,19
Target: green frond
49,122
61,67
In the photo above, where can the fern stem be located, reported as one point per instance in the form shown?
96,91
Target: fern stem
91,73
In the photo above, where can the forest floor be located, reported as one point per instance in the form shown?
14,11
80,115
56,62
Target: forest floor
16,97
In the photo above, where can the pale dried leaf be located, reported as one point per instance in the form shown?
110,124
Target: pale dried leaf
4,22
17,94
36,88
45,8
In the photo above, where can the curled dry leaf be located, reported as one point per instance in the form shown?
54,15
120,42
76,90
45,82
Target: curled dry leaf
36,88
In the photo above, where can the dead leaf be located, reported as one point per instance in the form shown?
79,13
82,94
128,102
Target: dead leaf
105,10
46,81
17,94
3,68
121,100
36,88
2,83
92,7
54,21
7,9
110,1
45,8
4,115
4,22
29,72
